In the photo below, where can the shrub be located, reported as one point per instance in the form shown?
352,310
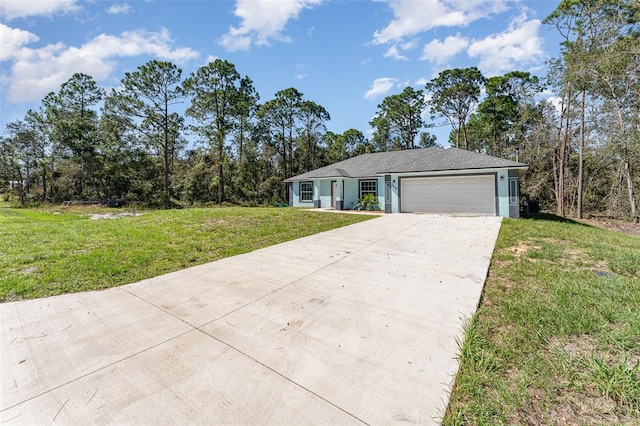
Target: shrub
367,202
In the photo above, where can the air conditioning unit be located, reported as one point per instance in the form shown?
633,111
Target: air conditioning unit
530,207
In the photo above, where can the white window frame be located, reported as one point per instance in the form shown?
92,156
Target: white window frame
373,191
514,191
306,192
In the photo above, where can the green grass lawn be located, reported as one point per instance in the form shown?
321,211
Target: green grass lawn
48,252
556,339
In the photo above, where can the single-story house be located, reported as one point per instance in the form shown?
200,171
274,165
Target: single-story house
428,180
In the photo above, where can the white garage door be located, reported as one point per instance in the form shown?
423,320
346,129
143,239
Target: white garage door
451,194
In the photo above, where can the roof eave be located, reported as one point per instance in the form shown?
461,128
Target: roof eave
519,167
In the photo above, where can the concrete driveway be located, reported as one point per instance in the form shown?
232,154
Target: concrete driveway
353,326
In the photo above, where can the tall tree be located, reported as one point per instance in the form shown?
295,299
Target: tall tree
557,78
454,94
18,157
125,164
427,140
279,117
312,125
598,64
400,116
383,138
147,96
343,146
618,69
75,127
219,95
574,22
502,119
42,148
244,112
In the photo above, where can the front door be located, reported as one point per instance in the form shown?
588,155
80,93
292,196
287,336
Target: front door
334,192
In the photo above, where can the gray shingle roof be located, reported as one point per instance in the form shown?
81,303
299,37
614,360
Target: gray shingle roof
410,160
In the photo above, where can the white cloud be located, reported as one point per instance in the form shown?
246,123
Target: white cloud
551,98
421,82
519,44
380,87
394,53
119,9
35,72
557,103
262,20
302,74
12,41
439,52
413,17
11,9
210,58
409,44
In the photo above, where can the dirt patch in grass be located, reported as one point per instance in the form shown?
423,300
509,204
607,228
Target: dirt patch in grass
578,399
571,408
574,346
29,270
214,222
521,249
98,216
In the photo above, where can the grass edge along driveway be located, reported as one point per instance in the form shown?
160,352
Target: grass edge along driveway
46,253
556,339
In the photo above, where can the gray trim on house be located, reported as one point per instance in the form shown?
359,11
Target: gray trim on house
408,161
387,194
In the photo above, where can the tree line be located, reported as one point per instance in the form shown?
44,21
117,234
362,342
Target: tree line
135,142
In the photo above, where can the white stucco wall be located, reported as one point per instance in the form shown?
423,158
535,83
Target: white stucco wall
350,193
325,193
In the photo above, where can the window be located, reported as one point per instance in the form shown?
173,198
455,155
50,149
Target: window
306,192
368,187
514,193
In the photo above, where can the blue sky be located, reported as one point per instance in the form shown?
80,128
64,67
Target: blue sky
344,55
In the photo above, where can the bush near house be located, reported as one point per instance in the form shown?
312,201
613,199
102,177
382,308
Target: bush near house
367,202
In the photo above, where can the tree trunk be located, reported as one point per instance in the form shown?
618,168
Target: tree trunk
220,173
165,172
165,153
581,157
240,144
44,183
464,135
632,196
284,151
562,163
290,153
21,187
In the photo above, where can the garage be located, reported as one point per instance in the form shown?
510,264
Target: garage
473,194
